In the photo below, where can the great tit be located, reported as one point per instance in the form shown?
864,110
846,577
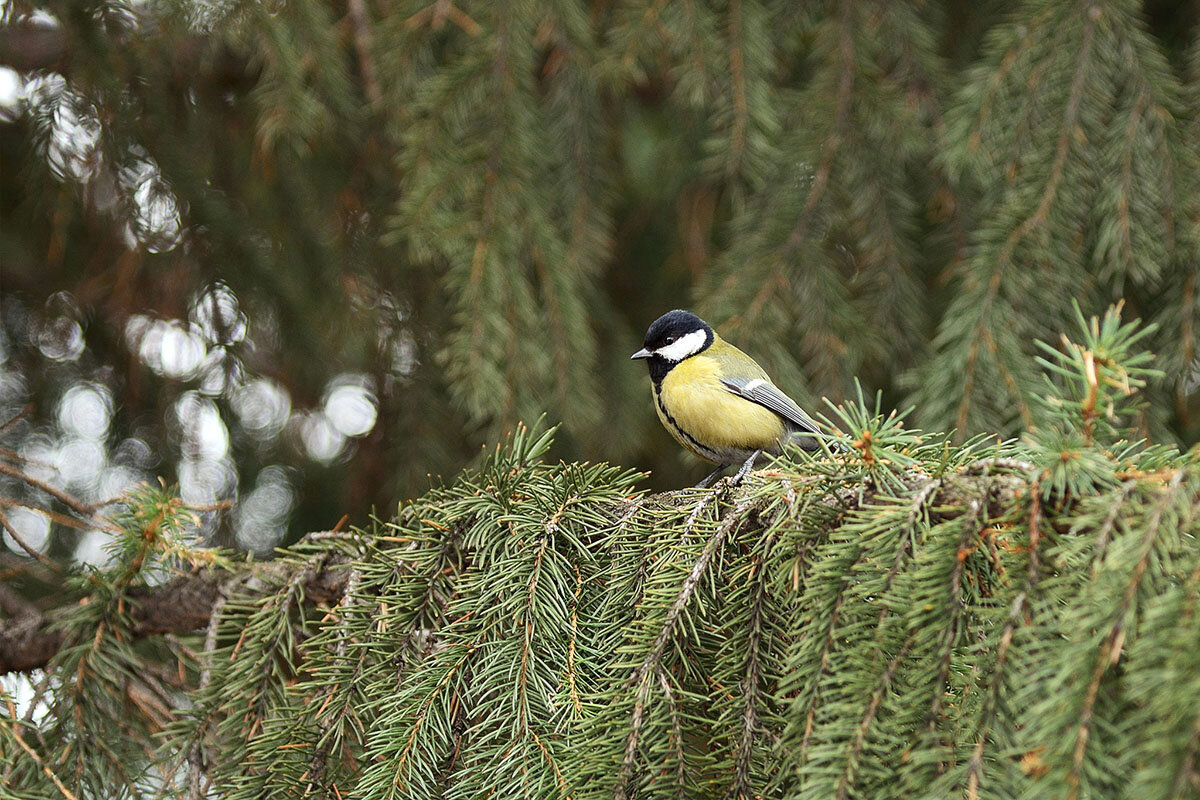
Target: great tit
714,399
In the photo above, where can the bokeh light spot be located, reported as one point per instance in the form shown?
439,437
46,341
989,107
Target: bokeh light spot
262,516
169,347
220,372
79,463
60,339
39,454
262,407
11,94
203,431
135,453
85,410
203,481
350,406
117,480
322,441
93,549
32,526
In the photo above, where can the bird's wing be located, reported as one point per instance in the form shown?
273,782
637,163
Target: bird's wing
766,394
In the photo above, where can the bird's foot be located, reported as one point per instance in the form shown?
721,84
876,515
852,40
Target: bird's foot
746,467
712,476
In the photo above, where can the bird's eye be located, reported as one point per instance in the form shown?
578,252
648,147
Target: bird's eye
670,339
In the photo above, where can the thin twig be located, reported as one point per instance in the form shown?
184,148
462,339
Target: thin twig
15,418
676,735
1016,613
53,516
76,505
360,26
320,755
1110,522
14,728
196,755
36,554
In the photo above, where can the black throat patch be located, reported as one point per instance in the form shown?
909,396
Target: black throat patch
659,367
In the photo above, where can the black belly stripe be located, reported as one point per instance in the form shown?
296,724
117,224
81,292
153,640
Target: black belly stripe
658,401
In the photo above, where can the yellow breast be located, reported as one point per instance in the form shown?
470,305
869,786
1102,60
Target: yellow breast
709,420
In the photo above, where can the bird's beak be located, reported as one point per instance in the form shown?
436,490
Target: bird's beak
643,353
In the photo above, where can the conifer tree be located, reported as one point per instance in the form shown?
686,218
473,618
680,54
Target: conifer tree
263,265
470,212
896,616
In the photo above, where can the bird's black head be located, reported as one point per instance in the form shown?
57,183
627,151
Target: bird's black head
671,338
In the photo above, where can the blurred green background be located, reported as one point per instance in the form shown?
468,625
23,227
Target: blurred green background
301,254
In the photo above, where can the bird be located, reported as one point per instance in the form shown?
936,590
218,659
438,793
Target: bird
715,400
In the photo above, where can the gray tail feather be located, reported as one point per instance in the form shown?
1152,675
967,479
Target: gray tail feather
802,439
806,441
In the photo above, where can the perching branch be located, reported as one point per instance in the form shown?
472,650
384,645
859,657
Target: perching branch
183,604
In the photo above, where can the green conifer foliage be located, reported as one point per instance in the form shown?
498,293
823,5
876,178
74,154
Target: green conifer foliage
466,212
893,617
473,210
1069,131
813,273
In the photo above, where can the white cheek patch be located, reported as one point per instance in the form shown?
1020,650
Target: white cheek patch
686,345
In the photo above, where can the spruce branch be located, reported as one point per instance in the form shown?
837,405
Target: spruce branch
777,279
846,784
751,686
185,603
360,24
936,522
1016,617
322,748
1113,642
13,729
85,511
676,735
643,674
1106,529
196,788
891,620
823,662
972,526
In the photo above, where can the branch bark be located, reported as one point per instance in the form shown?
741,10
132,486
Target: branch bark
26,48
29,47
184,603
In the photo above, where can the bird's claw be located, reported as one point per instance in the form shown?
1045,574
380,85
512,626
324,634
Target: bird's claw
745,470
710,477
736,480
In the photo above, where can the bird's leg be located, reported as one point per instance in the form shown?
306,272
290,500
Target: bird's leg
704,484
741,473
